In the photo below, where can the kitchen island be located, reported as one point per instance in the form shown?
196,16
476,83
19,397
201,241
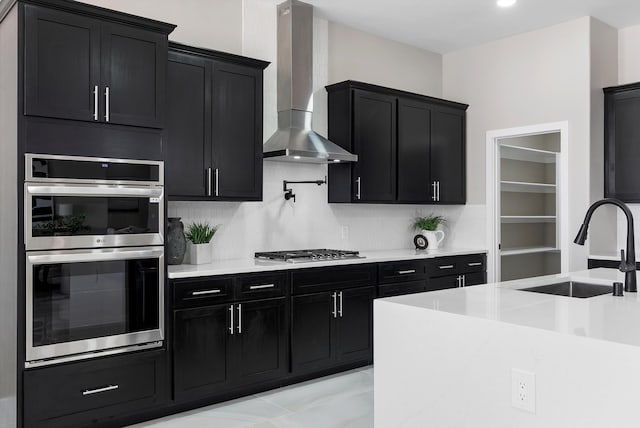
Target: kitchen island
446,358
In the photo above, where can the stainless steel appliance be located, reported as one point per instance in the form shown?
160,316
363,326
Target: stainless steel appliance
94,257
301,256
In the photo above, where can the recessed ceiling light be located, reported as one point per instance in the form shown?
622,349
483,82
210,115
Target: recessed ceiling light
506,3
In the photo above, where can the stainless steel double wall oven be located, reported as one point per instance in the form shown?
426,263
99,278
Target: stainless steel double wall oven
94,241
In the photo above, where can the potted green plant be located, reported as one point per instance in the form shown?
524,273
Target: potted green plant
199,236
428,227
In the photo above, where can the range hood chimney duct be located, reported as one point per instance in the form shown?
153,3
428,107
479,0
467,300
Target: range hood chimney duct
295,140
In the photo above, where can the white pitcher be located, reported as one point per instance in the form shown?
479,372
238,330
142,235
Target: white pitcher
432,238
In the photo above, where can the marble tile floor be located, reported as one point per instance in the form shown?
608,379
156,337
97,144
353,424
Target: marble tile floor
343,400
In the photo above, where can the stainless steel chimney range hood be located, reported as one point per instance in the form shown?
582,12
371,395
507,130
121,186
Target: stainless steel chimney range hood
295,141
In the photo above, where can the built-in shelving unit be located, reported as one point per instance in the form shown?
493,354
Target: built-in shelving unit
528,214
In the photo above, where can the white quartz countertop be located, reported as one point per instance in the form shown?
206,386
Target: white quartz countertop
224,267
605,317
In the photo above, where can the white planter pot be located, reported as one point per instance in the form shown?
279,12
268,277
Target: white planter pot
200,254
432,238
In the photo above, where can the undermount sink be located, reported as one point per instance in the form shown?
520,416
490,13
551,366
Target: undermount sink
572,289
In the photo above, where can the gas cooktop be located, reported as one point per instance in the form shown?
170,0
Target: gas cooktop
300,256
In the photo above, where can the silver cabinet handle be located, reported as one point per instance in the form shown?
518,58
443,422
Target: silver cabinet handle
358,182
99,390
405,272
240,318
95,102
260,287
464,280
438,193
446,267
335,305
340,310
433,196
231,327
217,181
209,185
107,104
459,281
475,264
204,292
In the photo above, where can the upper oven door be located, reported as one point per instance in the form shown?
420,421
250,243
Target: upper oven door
89,170
64,216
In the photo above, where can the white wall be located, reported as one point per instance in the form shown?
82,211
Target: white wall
604,72
276,224
356,55
536,77
214,24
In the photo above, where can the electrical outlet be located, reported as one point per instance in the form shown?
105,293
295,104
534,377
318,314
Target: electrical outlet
523,390
344,233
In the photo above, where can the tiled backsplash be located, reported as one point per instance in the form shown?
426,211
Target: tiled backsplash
277,224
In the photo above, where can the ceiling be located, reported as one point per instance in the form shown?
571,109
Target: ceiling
448,25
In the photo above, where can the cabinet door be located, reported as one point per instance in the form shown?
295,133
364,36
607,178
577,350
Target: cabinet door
374,133
237,132
622,151
61,64
355,324
188,154
262,341
200,350
414,135
312,332
448,154
133,72
444,282
475,278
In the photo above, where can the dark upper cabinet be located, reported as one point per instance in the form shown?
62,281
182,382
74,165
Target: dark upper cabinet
83,66
374,136
237,131
214,124
411,148
61,64
133,75
414,154
622,142
188,125
448,164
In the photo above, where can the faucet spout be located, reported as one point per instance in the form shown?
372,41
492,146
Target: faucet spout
628,264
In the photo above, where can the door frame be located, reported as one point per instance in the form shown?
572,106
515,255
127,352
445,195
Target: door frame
493,192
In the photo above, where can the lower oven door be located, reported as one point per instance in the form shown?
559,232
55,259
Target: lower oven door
83,302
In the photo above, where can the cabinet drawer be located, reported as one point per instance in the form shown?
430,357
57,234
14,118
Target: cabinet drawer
388,290
261,286
313,280
202,291
401,271
443,266
104,388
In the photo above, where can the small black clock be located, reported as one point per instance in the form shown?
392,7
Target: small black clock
420,242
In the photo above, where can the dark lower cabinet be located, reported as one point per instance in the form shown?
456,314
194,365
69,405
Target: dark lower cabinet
331,328
95,392
201,351
453,281
221,347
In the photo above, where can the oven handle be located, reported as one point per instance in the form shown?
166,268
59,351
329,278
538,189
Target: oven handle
111,191
79,256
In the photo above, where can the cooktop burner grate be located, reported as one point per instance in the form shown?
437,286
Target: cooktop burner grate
298,256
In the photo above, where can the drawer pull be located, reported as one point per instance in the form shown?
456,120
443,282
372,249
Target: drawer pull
99,390
475,264
405,272
260,287
205,292
446,267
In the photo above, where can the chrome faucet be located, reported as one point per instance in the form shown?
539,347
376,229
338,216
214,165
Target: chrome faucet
628,265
